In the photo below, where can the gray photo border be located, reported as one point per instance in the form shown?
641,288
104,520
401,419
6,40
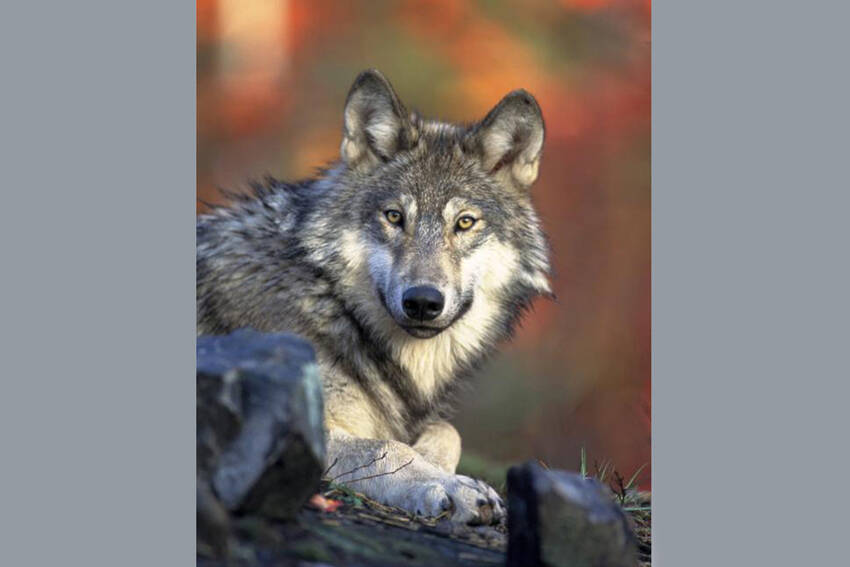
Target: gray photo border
97,410
750,280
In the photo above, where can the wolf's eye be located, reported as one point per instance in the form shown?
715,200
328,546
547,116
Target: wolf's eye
465,222
394,217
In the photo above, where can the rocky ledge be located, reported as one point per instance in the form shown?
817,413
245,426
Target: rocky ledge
261,499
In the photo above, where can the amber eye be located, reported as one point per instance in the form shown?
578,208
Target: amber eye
465,222
394,217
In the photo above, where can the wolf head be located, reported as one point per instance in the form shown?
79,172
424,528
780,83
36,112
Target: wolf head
439,215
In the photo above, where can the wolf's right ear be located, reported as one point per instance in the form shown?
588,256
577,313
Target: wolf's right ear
376,125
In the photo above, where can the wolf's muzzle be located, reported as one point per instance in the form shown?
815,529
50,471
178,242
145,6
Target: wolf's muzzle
423,303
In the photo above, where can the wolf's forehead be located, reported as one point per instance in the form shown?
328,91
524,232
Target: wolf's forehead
435,177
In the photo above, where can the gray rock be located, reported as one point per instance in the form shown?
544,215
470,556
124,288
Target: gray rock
556,518
213,524
260,441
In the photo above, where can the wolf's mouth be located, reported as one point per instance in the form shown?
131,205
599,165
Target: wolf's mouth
423,332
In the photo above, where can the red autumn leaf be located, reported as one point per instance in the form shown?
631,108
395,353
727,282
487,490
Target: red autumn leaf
324,504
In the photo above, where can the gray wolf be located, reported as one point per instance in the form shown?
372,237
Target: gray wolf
405,263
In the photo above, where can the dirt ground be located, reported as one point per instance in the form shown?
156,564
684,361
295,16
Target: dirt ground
352,530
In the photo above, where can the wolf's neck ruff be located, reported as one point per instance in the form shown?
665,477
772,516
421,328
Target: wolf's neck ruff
323,258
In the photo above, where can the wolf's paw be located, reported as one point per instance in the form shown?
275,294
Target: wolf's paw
474,502
428,499
468,500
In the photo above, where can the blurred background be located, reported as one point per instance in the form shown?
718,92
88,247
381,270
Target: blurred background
272,80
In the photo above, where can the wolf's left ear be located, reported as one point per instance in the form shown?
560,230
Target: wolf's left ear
376,125
509,141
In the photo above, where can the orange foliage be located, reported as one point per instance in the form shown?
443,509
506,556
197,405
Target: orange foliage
582,363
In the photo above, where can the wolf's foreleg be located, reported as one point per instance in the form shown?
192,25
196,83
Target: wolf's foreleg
394,473
439,443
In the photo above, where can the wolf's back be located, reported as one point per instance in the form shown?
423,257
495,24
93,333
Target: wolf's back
249,257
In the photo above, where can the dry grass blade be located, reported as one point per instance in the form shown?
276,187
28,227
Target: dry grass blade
634,476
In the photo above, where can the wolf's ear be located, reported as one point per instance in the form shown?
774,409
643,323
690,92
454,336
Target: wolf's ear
376,125
509,141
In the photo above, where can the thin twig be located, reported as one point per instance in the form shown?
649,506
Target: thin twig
380,474
355,469
327,470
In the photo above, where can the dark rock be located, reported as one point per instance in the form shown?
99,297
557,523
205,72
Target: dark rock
556,518
213,523
260,440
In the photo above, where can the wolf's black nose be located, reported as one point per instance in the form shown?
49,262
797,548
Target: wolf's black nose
422,302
